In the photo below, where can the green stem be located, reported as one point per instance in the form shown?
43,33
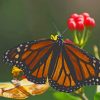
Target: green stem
96,52
87,36
76,40
81,95
83,37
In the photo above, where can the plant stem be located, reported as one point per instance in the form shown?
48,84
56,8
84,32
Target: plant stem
76,40
83,37
81,95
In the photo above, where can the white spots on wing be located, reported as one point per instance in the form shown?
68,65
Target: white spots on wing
7,59
29,72
5,56
25,49
10,61
16,62
70,90
21,45
94,61
78,83
28,42
97,80
90,80
26,46
6,52
94,64
18,49
99,67
20,63
93,79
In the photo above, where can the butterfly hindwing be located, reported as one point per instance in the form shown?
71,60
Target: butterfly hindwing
75,68
61,79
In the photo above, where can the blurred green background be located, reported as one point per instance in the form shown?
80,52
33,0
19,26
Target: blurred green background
24,20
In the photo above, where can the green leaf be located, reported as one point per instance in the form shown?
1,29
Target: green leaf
97,96
65,96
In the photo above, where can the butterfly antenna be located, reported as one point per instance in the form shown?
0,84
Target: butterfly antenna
64,30
55,26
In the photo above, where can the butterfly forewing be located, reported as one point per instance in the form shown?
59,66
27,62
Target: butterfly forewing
33,58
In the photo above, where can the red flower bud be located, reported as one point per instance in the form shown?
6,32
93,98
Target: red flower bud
80,25
70,19
90,22
85,14
93,24
79,18
75,15
72,25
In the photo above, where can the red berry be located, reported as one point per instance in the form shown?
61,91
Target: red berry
80,25
85,14
90,22
70,19
75,15
80,18
93,24
78,22
72,25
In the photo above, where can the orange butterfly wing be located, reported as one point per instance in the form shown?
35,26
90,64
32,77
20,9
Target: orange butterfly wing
66,66
33,58
74,69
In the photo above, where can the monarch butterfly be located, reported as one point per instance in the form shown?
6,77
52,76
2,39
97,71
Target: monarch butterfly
66,66
21,90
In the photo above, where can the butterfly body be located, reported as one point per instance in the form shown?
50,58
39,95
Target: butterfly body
66,66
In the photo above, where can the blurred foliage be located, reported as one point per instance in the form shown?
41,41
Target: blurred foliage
97,96
65,96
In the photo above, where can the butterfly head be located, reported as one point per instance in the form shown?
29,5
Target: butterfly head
59,37
56,37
